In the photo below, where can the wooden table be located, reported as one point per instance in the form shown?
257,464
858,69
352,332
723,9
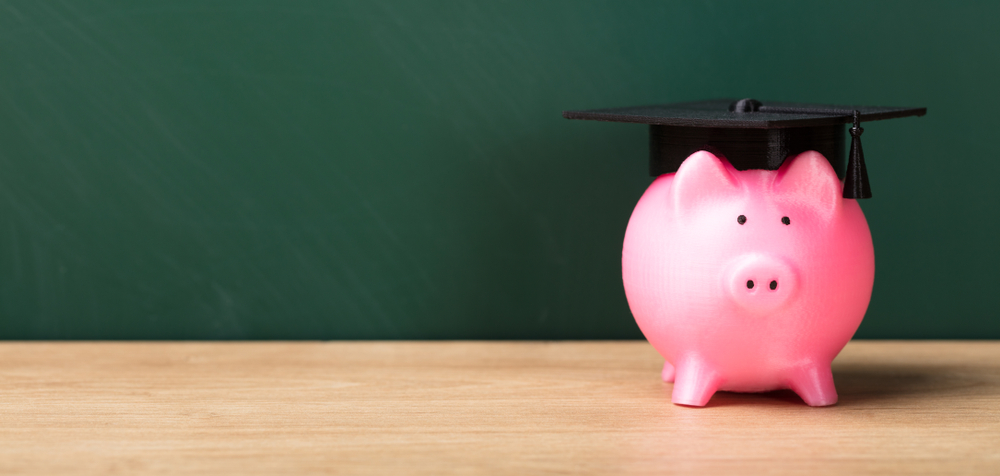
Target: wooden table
479,407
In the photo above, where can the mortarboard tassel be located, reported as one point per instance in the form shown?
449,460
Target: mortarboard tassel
856,179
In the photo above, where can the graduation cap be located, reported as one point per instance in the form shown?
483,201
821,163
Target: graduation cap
754,135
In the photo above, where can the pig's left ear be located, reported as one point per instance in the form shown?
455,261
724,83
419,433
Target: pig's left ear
809,179
702,179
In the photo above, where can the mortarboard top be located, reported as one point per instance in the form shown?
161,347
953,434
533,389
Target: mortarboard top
753,135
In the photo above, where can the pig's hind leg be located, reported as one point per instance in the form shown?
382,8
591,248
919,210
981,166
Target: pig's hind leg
694,383
668,372
814,384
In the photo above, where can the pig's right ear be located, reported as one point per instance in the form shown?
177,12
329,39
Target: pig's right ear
702,179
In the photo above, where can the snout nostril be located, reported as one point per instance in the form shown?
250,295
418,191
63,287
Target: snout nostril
774,285
750,284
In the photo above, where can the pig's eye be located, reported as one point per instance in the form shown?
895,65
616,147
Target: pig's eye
741,219
786,221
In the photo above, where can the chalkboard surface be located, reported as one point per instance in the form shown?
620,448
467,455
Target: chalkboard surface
400,170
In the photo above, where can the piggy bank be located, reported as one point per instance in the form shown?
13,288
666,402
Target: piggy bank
748,281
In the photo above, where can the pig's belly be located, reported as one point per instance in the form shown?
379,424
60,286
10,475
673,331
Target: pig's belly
761,381
748,377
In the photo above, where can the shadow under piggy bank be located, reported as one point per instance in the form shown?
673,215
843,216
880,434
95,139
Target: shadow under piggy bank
864,384
873,384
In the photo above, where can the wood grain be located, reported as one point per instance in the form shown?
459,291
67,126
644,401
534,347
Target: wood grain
479,407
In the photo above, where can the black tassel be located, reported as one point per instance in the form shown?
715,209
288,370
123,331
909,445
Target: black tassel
856,180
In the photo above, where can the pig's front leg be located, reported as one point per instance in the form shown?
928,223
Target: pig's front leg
814,383
694,382
668,372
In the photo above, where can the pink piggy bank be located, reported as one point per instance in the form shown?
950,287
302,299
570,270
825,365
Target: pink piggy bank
748,281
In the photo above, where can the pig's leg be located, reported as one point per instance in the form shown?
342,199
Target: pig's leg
668,372
694,383
814,383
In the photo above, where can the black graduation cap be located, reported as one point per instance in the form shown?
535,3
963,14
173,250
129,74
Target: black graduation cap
754,135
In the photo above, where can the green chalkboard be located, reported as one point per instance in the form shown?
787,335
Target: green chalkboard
399,170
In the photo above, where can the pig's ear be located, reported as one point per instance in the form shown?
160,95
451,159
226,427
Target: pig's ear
702,179
809,179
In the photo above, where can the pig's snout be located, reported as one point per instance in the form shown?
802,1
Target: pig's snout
761,283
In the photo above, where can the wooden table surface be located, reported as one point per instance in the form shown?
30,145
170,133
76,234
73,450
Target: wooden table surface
479,407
